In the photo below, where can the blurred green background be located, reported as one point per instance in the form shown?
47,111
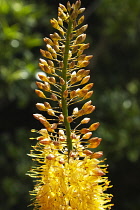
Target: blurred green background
114,36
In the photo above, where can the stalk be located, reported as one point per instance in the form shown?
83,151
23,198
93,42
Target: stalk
64,87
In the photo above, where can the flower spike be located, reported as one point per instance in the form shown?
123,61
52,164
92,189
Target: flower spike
68,174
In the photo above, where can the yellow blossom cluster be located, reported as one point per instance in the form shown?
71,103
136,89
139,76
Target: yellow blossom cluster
68,174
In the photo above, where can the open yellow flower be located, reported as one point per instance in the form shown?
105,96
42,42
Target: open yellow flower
68,173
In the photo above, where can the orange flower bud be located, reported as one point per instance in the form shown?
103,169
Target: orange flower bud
37,116
48,41
54,125
75,111
61,118
62,138
84,130
62,81
72,64
40,93
41,107
98,172
61,132
65,94
88,86
61,161
45,141
54,97
88,103
51,112
97,154
85,120
69,119
94,142
47,105
94,126
83,63
42,61
73,94
87,135
73,136
46,87
73,80
50,157
43,77
56,143
39,85
52,80
88,152
50,63
89,109
85,80
89,94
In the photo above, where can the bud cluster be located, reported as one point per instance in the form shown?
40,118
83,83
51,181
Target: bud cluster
60,144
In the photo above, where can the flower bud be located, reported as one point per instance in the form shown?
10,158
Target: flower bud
81,30
47,87
63,7
50,157
87,152
41,107
81,10
87,135
51,112
85,80
84,130
61,161
68,6
81,38
39,85
73,94
43,77
73,80
85,120
40,93
47,105
54,97
69,119
90,109
98,172
75,111
45,141
97,154
48,41
94,142
94,126
72,64
81,19
62,81
65,94
61,132
83,64
88,95
61,118
54,23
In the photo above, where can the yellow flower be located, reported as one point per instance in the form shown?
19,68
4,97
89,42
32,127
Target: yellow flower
68,174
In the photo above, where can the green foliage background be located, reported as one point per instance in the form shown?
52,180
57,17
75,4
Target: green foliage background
113,33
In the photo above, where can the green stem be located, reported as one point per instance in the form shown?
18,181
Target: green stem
64,87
